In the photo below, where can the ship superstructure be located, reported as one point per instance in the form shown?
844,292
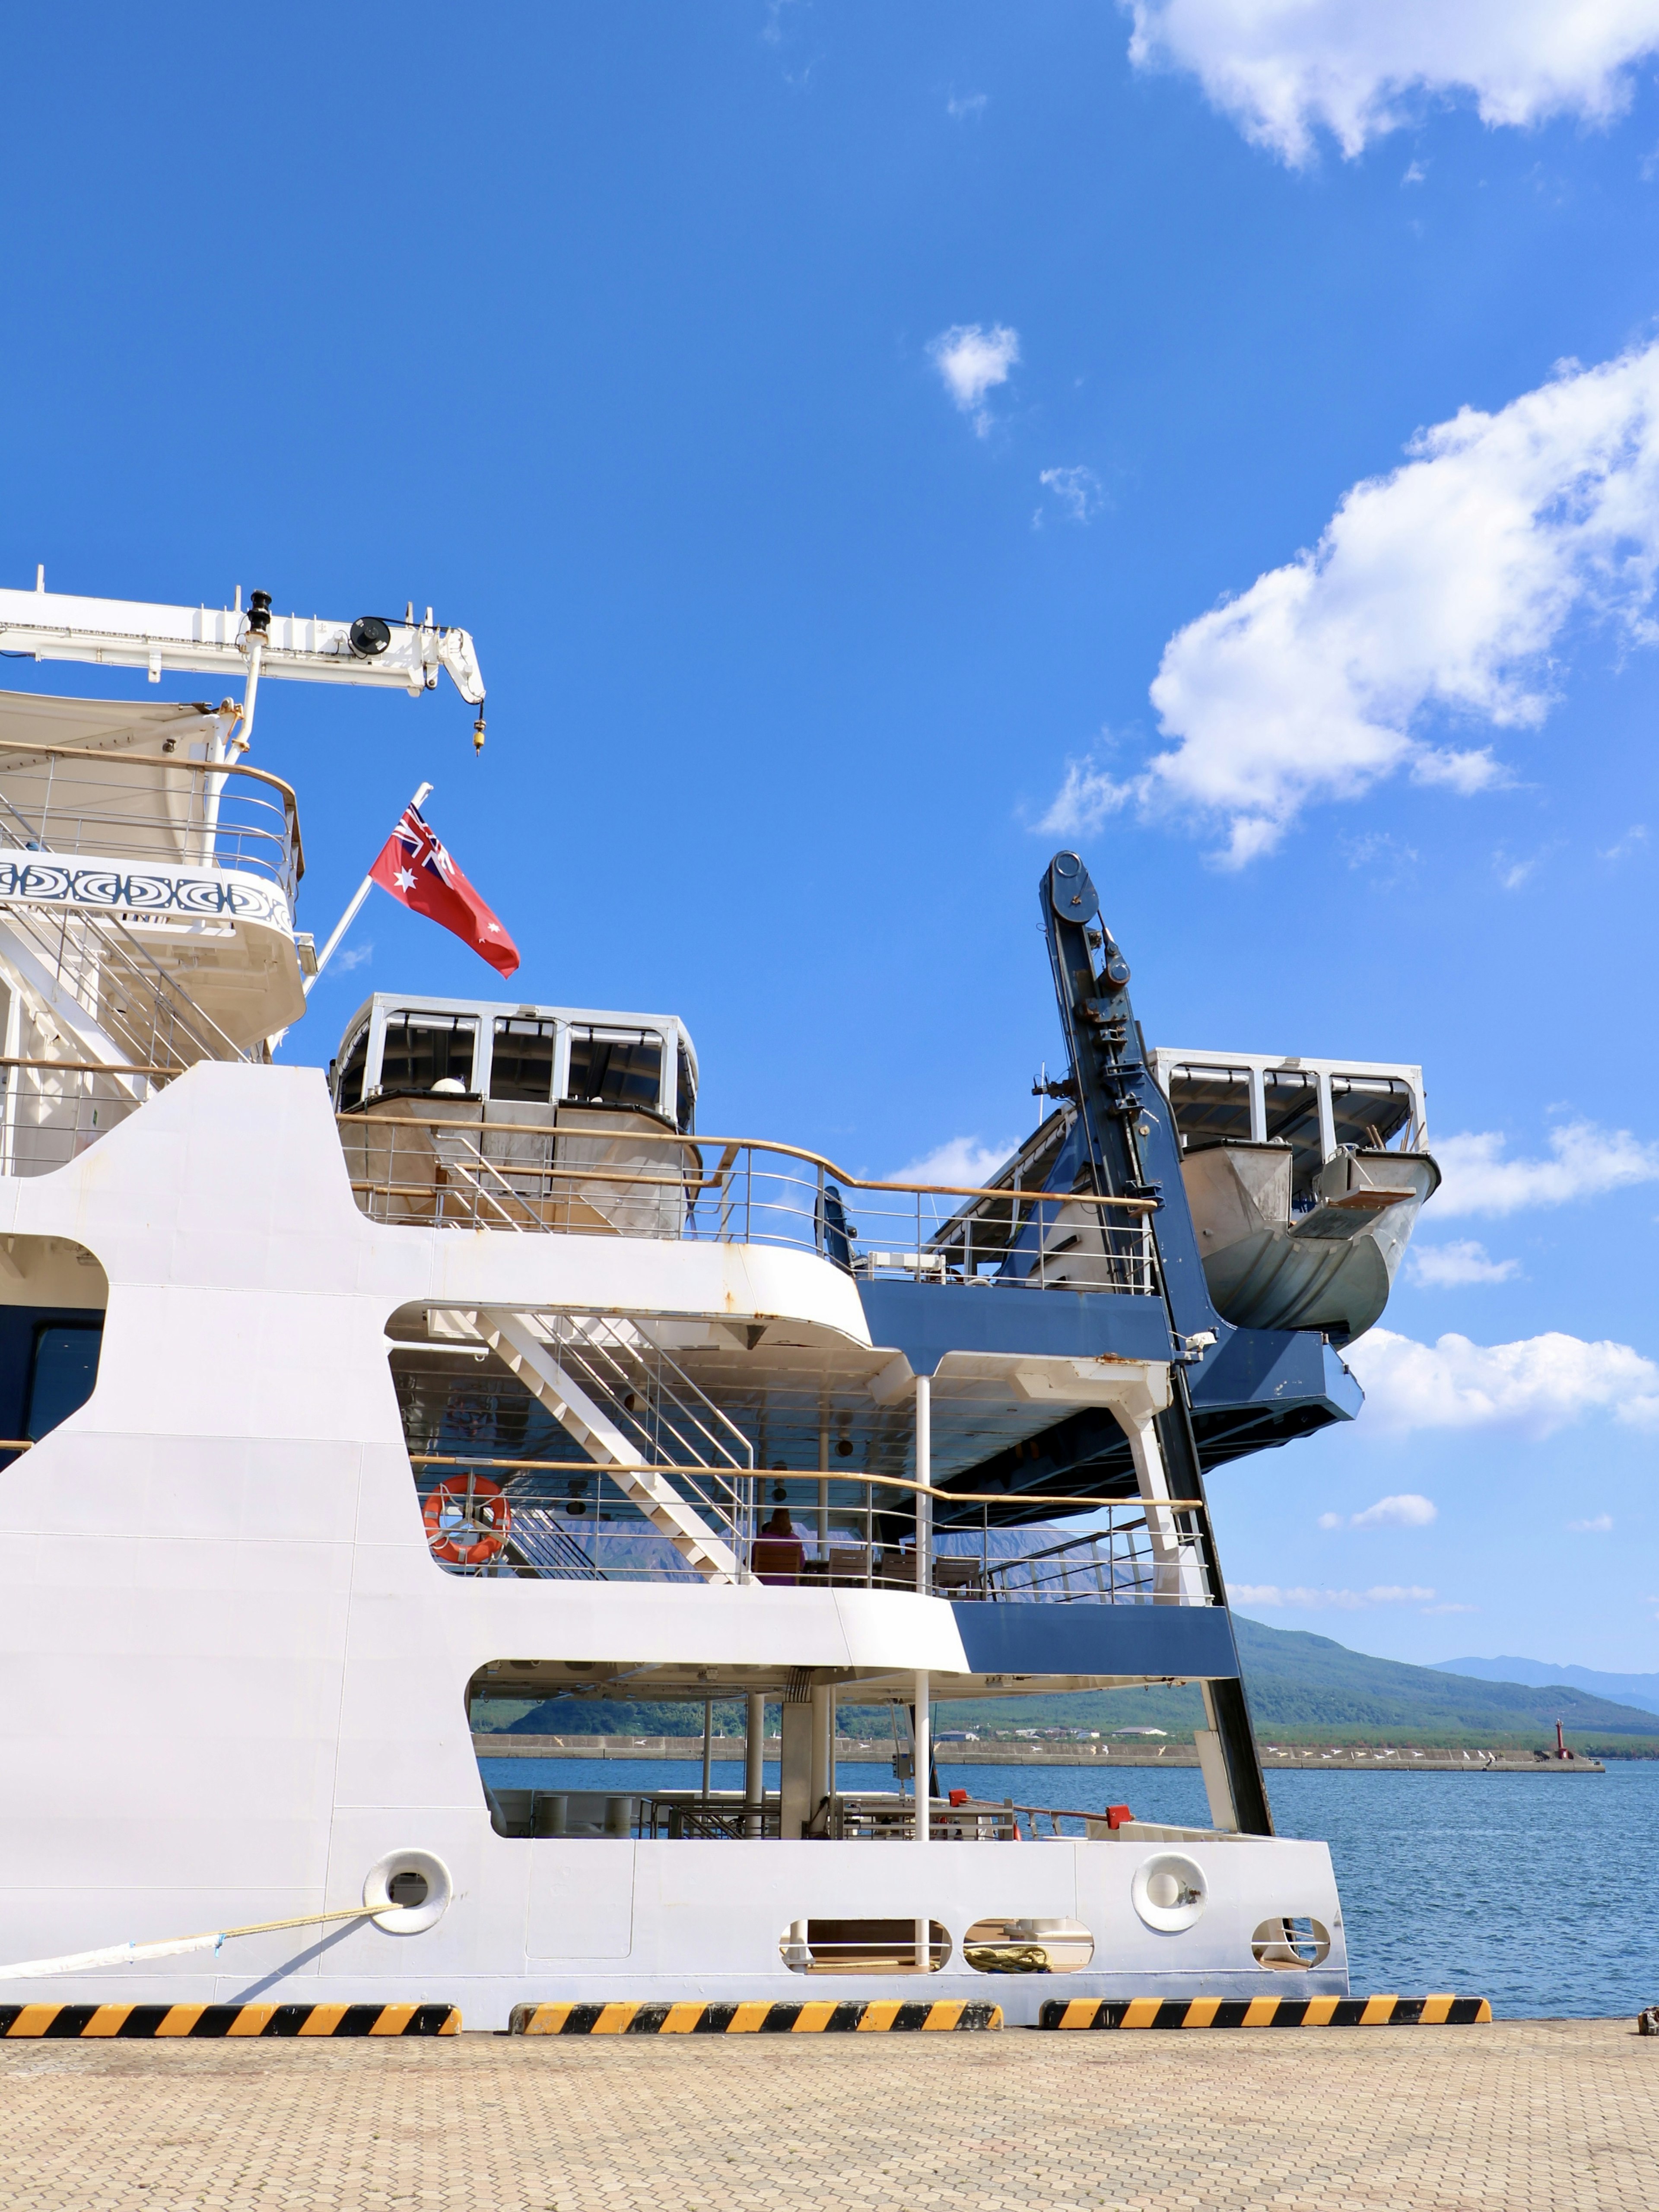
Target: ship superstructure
341,1410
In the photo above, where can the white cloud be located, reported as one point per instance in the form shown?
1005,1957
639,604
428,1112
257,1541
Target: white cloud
1440,590
1406,1510
1084,798
1077,490
966,107
1325,1601
1415,175
1538,1384
1451,1609
1285,70
1633,840
973,361
1598,1524
1450,1267
959,1160
354,956
1585,1161
1511,874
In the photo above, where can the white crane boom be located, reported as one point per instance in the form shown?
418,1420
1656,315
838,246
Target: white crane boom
135,634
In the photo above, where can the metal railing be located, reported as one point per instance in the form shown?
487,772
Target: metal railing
1134,1560
457,1169
152,807
569,1520
846,1816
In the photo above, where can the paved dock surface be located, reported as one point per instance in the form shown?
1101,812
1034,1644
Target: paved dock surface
1553,2113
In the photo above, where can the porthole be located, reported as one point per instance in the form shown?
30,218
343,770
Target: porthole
412,1889
1292,1943
1168,1891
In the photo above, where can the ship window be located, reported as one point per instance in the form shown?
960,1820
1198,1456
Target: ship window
1369,1110
1028,1947
521,1060
861,1946
424,1050
65,1368
1292,1104
352,1069
615,1067
1211,1105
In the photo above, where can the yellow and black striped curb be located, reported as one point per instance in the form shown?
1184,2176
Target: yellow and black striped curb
1264,2012
749,2019
140,2020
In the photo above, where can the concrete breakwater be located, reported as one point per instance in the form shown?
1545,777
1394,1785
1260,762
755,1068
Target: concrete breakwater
727,1749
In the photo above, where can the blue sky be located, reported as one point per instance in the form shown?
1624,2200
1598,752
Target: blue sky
830,420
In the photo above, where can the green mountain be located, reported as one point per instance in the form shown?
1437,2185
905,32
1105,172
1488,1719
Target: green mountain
1303,1689
1301,1685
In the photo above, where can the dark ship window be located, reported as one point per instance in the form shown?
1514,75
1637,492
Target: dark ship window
64,1370
615,1067
422,1049
521,1060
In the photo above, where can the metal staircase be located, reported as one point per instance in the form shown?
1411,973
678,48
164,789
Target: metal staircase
634,1411
91,980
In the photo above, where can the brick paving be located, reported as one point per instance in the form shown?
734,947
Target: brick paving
1550,2113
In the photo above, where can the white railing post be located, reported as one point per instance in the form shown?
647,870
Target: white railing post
921,1744
923,1481
754,1766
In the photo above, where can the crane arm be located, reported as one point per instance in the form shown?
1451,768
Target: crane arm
136,633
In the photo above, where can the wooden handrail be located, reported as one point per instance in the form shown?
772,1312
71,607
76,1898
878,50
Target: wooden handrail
736,1145
87,1067
147,760
569,1468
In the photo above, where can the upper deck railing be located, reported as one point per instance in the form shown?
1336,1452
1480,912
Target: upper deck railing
454,1169
148,807
575,1521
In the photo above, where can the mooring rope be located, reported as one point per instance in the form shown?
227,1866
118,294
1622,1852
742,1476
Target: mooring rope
131,1954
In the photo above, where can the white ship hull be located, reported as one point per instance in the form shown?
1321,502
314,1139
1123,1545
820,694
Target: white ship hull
234,1679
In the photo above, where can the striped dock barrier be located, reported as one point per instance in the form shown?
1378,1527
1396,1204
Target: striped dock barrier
127,2020
1440,2011
760,2018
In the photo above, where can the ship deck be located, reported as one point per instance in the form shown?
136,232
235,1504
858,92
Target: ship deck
1521,2114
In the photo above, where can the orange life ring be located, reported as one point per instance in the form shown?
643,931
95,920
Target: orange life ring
465,1504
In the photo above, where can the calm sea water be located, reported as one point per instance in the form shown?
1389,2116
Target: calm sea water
1532,1890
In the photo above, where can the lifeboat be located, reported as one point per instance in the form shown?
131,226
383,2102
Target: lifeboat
1305,1179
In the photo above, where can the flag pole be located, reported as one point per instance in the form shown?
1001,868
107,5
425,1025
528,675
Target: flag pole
350,913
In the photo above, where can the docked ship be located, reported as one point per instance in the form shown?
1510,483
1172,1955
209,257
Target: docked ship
342,1410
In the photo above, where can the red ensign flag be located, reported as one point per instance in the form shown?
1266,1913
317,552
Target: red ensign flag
418,872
